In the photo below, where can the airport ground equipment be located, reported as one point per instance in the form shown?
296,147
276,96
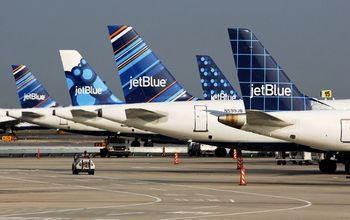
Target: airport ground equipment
296,157
242,179
114,146
83,164
176,159
9,137
197,149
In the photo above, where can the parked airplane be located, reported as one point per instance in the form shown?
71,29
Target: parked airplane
89,93
144,79
37,105
196,121
276,107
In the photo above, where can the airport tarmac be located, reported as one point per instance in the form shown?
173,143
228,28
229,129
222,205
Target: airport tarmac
155,188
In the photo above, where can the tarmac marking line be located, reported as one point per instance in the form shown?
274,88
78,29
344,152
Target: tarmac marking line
206,207
306,203
193,213
174,194
213,200
200,194
156,199
127,213
158,189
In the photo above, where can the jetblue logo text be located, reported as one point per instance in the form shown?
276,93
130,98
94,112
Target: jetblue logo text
88,90
33,96
269,90
223,97
146,81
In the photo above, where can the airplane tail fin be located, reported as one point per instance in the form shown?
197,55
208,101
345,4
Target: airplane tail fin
264,84
214,83
143,76
31,92
84,85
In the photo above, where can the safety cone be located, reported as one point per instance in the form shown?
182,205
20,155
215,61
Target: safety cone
242,180
163,152
234,154
239,162
176,159
38,155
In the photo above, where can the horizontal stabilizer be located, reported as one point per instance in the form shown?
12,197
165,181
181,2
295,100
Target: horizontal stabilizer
264,119
8,121
146,115
31,114
83,113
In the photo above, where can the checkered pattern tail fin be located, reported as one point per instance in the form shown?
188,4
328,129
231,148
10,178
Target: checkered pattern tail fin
84,85
264,84
143,76
214,83
30,91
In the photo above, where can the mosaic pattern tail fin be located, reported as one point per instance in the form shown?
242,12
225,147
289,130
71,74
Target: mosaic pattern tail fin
143,76
84,85
30,91
264,84
214,83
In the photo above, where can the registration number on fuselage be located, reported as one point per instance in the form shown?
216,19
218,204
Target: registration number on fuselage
233,110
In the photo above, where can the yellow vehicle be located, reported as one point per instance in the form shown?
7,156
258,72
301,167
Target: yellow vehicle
8,138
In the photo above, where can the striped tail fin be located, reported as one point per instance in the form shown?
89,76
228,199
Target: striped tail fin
30,91
84,85
264,84
143,76
214,83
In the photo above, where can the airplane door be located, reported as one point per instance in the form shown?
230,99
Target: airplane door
63,121
200,118
345,130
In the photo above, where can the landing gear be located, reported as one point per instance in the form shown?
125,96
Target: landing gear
327,166
220,152
347,167
231,152
148,143
135,143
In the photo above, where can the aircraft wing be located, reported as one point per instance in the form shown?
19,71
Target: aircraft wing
8,121
259,118
83,113
31,114
144,114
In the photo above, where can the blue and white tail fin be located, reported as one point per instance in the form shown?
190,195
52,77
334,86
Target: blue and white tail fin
264,84
143,76
214,83
84,85
30,91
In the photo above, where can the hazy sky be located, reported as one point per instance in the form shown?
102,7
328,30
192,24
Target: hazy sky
309,39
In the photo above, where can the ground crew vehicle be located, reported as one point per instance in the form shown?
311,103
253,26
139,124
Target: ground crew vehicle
10,137
297,157
83,164
197,149
113,146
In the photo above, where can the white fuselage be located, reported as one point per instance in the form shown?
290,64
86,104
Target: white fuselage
338,104
327,130
46,119
98,122
197,121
